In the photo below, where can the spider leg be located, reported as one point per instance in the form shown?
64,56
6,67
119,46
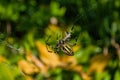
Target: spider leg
47,39
76,39
58,37
54,50
47,45
68,34
72,28
74,43
48,48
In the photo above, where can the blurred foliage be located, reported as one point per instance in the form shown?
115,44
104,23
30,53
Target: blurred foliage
26,24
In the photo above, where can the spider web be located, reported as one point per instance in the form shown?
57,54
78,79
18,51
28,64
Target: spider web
81,18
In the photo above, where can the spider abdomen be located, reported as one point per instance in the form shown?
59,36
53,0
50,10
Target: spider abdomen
67,49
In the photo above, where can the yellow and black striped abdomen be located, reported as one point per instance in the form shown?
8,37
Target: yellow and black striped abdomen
67,49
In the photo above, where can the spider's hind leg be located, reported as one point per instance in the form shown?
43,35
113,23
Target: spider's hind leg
76,39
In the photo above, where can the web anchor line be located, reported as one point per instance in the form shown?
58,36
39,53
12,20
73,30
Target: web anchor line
10,46
80,16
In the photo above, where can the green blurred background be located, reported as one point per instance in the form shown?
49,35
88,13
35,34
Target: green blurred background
96,24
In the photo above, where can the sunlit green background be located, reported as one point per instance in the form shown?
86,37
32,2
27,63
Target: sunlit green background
26,24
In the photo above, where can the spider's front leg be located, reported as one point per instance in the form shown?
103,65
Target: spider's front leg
68,34
48,45
54,49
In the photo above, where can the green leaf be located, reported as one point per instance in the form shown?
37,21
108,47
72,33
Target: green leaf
114,29
59,77
55,10
8,72
117,75
5,73
77,77
102,76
